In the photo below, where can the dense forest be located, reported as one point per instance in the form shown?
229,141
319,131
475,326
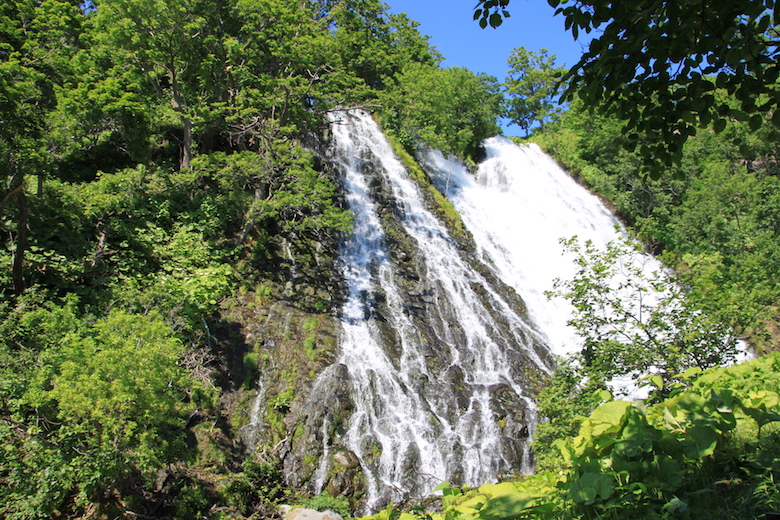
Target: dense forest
163,168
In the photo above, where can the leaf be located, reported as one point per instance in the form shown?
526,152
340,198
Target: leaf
506,506
496,490
495,20
739,115
477,14
755,122
675,505
590,486
690,373
705,439
610,414
441,486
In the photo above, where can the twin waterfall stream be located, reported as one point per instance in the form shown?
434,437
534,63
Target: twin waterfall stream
444,338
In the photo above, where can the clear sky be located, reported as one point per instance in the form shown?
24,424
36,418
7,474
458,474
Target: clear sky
451,28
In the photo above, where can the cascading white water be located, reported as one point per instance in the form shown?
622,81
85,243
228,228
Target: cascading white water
427,397
517,207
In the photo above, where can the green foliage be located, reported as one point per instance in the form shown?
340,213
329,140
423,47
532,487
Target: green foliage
324,502
377,45
251,360
633,322
290,196
567,397
193,500
635,325
122,382
450,109
531,88
263,292
628,460
309,346
100,406
281,402
657,67
311,323
261,483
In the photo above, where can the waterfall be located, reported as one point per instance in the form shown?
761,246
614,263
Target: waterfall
518,206
439,356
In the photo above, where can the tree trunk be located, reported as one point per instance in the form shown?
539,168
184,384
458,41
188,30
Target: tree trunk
186,144
21,244
179,105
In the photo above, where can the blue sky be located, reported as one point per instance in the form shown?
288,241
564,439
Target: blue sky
451,28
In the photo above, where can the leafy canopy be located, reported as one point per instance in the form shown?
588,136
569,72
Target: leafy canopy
657,65
451,109
531,87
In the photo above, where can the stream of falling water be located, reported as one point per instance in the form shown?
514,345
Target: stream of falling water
518,206
415,422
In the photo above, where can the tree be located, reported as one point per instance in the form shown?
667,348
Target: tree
35,40
85,408
376,45
531,87
656,64
121,394
633,322
451,109
176,45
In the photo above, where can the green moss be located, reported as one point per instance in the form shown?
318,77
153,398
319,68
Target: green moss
250,361
299,431
263,292
275,424
445,207
311,323
238,413
309,345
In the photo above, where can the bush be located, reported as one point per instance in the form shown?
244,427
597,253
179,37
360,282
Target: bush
324,501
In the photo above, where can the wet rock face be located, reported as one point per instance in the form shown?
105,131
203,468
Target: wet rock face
346,476
323,417
448,400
